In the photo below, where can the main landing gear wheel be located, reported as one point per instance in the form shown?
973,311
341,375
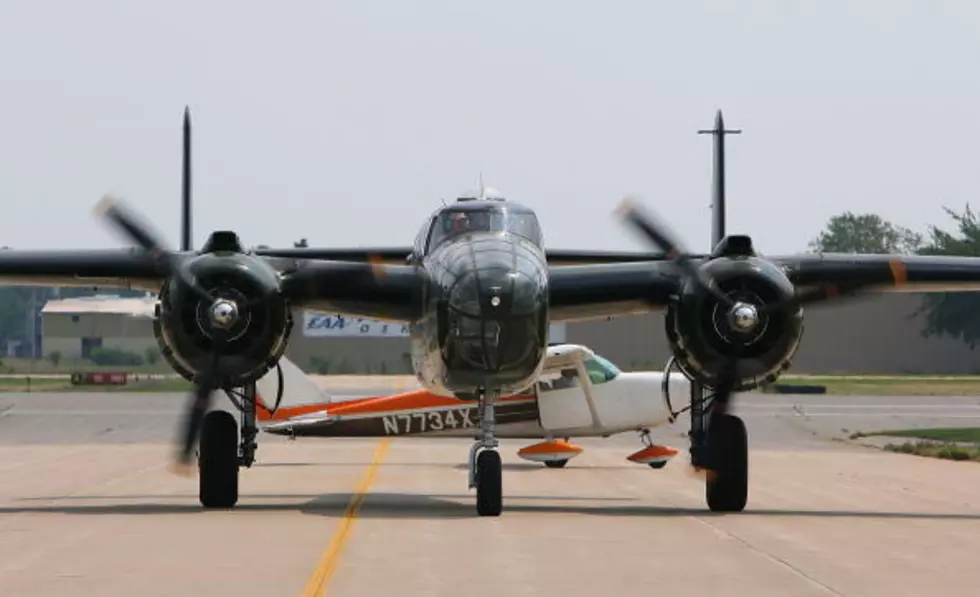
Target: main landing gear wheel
727,486
218,460
489,484
556,463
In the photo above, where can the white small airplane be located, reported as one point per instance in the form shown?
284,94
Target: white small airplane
578,394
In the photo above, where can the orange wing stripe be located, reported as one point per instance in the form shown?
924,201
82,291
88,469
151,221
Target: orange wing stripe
404,401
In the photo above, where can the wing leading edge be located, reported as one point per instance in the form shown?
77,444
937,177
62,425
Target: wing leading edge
578,292
586,292
399,255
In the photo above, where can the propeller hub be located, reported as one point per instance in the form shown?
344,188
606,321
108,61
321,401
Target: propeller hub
744,317
223,313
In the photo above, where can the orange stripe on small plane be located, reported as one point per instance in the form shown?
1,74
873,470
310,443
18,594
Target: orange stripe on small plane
900,274
403,401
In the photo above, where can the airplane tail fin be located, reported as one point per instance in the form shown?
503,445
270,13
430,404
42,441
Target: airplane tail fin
299,394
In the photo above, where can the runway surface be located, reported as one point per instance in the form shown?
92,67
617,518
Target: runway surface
88,507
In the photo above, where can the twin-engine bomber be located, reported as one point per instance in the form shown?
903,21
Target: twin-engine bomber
478,290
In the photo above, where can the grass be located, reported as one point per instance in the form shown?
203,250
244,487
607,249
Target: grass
18,366
22,385
935,434
937,450
948,443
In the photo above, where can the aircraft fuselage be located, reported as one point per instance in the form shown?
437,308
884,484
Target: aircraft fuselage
484,324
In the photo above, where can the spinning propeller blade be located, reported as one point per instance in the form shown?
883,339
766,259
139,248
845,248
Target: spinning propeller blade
139,233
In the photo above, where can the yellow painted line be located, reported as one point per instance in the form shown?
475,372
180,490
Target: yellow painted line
317,585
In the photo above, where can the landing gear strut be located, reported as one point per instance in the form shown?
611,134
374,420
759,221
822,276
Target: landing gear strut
484,463
221,453
719,444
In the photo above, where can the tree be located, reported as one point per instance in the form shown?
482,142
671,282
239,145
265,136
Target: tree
865,233
954,314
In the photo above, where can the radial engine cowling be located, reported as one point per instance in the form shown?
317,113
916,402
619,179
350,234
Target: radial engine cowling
706,334
244,336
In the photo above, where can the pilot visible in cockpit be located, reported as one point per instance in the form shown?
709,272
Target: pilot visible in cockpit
459,223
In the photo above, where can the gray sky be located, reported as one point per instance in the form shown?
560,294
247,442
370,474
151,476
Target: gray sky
346,122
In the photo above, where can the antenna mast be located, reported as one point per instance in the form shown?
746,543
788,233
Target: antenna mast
185,214
718,181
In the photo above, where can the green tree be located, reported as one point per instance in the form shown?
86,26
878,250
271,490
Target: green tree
864,233
954,314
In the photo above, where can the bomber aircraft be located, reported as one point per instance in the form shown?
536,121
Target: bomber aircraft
478,290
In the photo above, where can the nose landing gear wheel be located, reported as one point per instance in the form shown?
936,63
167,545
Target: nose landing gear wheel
218,461
489,484
727,487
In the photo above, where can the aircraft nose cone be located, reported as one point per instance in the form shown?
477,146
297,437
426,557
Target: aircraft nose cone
506,294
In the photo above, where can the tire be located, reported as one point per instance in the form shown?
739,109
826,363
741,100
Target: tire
727,488
556,463
657,464
489,484
218,461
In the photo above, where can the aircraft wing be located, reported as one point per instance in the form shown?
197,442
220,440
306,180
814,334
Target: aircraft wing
129,269
398,255
883,273
583,292
356,288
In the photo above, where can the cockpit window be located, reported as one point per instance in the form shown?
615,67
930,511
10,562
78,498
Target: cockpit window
600,370
452,223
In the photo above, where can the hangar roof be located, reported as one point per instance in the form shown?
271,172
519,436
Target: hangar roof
110,305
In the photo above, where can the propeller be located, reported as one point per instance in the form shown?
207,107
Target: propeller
656,231
223,317
139,233
652,228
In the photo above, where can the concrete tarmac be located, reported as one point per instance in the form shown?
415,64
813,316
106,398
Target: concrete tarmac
87,506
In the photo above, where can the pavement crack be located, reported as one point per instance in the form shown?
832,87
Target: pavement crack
772,557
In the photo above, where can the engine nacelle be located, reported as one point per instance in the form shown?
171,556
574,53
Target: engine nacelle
704,334
247,349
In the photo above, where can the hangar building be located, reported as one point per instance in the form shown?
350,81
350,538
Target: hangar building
877,335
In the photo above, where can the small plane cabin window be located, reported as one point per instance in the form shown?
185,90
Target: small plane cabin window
493,218
600,370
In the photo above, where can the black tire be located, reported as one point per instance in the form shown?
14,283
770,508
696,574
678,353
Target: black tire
659,464
489,484
218,461
727,487
556,463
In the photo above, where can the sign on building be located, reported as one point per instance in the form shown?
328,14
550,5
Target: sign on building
318,325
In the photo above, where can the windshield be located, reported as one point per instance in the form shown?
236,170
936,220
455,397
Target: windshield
454,222
600,370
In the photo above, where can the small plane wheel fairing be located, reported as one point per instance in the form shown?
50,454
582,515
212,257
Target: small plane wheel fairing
556,463
489,484
727,487
218,460
659,464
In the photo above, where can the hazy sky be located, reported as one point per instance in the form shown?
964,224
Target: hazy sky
346,122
